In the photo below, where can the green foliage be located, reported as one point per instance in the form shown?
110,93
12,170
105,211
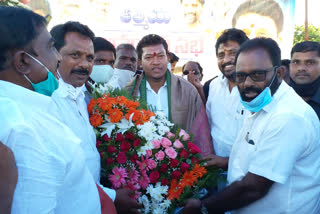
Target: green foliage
313,32
12,3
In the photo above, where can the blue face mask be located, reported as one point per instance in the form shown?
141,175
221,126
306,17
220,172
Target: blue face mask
46,87
263,99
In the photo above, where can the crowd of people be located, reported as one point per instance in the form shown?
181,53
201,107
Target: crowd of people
258,119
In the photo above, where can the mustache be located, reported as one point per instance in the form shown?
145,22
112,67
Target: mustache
249,89
128,67
80,71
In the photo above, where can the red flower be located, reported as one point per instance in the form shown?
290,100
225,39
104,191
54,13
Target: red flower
106,138
154,175
174,163
164,182
125,146
109,161
119,137
184,167
130,136
184,153
98,144
176,174
164,168
122,159
101,154
134,158
194,160
136,142
194,149
111,149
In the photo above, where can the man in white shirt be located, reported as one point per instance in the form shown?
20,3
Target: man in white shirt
274,163
52,174
75,44
168,93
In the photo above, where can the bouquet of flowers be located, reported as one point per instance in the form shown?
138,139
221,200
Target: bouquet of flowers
139,150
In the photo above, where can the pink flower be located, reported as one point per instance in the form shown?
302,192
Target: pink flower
184,167
156,144
170,135
185,135
160,155
133,175
171,153
151,164
143,180
177,144
148,153
118,177
145,164
194,149
165,142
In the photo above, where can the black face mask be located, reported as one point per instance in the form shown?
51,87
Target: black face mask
306,90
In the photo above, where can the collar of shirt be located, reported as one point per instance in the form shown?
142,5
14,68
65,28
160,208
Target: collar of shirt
316,96
283,87
224,83
67,90
158,100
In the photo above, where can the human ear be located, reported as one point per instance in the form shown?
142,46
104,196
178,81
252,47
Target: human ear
280,73
21,62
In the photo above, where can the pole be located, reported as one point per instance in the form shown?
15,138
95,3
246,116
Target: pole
306,33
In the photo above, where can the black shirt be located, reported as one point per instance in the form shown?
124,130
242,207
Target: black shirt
314,102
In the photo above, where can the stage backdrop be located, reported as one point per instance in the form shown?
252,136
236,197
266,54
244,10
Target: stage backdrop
189,26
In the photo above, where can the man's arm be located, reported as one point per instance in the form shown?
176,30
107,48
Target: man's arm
8,178
194,80
239,194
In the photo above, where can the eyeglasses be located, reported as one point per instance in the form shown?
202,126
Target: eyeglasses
256,75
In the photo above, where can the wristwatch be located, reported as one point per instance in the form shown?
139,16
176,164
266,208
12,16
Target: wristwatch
203,208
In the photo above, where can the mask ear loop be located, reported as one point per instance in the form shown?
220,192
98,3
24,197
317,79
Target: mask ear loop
274,76
28,79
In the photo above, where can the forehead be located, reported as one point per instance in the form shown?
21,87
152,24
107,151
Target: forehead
305,55
127,53
191,66
77,42
253,59
104,55
153,49
228,46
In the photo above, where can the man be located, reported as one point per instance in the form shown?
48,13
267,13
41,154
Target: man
305,72
8,178
76,49
104,52
274,163
286,64
126,57
259,19
168,93
174,59
192,10
51,179
224,110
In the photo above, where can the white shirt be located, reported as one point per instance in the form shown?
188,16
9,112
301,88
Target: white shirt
281,143
72,111
52,174
159,101
225,114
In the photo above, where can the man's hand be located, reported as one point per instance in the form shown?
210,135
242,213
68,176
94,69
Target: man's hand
193,206
8,178
194,80
214,160
124,203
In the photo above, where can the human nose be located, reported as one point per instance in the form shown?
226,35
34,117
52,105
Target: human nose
248,81
228,58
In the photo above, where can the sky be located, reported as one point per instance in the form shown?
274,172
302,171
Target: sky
313,11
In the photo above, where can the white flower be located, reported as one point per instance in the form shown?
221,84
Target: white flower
166,204
158,210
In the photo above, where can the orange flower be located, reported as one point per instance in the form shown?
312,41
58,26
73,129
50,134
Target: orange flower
188,179
104,104
199,171
132,104
91,105
175,190
95,119
115,115
121,100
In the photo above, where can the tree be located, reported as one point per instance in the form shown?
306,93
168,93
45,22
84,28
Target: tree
313,32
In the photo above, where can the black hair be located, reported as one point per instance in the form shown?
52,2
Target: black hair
231,34
125,46
267,44
173,57
197,63
101,44
285,62
59,32
306,46
269,8
18,28
151,39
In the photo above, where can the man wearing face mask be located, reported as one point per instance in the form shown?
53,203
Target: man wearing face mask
51,179
74,42
305,72
274,163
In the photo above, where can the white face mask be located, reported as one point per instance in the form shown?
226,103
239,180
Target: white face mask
124,76
101,73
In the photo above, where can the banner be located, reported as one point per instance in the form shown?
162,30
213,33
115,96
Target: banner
190,27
